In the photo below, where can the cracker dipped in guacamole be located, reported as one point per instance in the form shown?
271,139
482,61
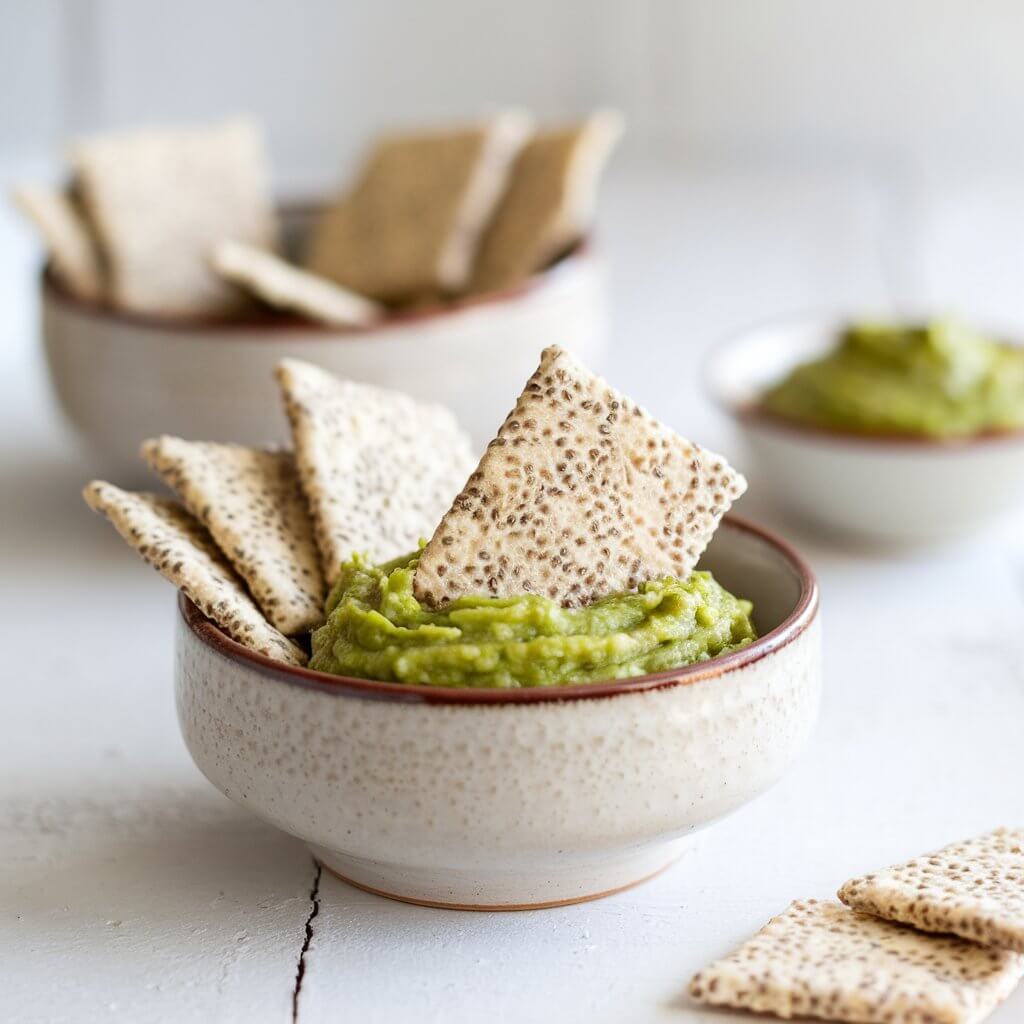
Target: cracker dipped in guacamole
568,556
934,380
376,629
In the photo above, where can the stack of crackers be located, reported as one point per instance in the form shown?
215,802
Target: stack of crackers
580,494
938,939
256,536
181,222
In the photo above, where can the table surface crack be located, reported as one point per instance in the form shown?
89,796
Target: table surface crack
307,939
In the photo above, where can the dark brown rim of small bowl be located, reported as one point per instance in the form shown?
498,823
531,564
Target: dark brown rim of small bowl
892,440
346,686
268,327
754,414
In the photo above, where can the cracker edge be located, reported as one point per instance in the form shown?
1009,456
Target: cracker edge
71,246
151,451
91,495
944,920
284,285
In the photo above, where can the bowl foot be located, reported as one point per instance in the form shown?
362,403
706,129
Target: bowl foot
486,890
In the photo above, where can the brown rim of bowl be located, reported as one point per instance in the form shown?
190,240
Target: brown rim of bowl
346,686
268,327
893,440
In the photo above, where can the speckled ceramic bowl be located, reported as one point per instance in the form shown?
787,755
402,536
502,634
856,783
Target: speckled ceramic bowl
882,488
510,799
120,377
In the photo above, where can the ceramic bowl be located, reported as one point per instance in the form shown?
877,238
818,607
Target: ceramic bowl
511,799
884,488
120,377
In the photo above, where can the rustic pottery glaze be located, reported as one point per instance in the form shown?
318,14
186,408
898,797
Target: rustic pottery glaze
511,798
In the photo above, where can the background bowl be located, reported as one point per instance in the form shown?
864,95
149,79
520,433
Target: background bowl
884,488
120,378
511,798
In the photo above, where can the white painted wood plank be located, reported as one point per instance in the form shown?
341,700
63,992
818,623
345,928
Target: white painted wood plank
127,883
152,905
129,888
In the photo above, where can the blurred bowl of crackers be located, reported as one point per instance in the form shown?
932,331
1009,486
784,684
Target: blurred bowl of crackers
174,281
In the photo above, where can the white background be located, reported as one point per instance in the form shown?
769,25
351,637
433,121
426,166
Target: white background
783,155
891,85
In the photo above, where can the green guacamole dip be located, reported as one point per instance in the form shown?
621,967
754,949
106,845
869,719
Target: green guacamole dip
935,380
376,629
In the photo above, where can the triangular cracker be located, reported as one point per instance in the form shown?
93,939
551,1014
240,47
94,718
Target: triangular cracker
818,959
161,198
549,202
974,889
177,546
580,495
378,467
413,221
70,245
281,284
250,501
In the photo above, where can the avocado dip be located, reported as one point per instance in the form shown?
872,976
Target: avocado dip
376,629
935,380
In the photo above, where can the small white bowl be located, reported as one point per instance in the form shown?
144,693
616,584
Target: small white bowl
891,489
511,799
121,377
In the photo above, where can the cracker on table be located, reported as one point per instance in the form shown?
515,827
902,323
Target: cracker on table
378,467
549,202
581,494
273,280
819,959
175,543
67,235
413,220
974,889
161,198
250,501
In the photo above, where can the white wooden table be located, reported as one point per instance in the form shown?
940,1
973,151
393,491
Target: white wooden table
130,890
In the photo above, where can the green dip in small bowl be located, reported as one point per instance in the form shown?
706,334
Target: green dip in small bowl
938,379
